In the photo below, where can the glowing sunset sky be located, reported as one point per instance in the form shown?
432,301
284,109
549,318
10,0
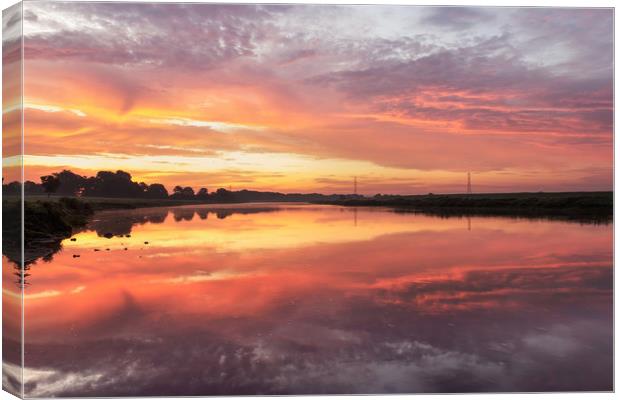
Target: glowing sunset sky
303,98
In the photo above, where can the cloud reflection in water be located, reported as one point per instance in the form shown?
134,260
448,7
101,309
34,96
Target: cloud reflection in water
301,300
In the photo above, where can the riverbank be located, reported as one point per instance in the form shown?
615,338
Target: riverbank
46,225
566,205
113,203
48,221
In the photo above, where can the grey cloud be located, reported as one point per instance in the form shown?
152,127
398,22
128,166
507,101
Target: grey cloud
581,38
198,36
458,18
487,85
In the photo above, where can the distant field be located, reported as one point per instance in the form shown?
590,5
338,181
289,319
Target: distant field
576,205
554,195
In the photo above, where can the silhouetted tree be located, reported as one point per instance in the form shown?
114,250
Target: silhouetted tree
182,193
113,184
71,184
32,188
50,184
157,191
222,195
188,192
11,188
203,194
143,187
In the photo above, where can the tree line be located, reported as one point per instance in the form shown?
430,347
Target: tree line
104,184
120,184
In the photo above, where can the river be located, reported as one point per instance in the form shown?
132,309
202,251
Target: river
298,299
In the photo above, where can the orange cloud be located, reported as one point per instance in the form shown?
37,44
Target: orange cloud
402,110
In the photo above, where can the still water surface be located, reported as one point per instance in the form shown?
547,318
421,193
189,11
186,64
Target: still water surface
291,299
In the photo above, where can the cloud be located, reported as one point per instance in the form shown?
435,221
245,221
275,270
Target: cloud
144,35
433,92
53,109
458,18
484,86
215,125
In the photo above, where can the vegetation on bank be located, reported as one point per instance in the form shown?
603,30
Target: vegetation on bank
46,224
48,219
45,218
572,205
119,184
115,203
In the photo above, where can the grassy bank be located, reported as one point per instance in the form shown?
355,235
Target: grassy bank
108,203
573,205
46,224
50,220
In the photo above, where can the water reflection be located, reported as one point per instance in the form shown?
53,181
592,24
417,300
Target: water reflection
123,222
320,299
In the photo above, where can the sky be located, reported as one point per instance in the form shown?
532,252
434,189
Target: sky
302,98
